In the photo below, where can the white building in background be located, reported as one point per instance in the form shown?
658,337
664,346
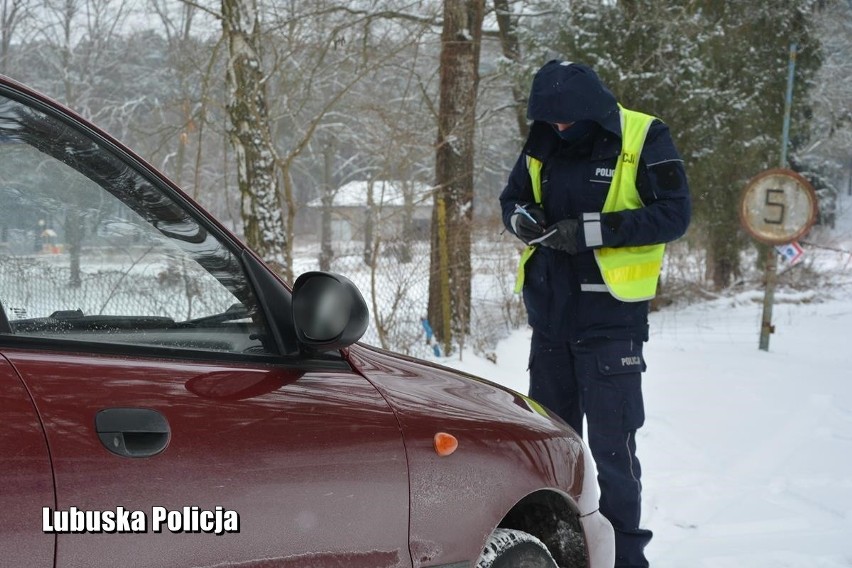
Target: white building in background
397,209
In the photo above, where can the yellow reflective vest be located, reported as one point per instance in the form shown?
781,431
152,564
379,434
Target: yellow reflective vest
630,273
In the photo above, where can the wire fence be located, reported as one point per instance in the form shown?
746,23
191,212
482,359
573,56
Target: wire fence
38,285
395,286
396,289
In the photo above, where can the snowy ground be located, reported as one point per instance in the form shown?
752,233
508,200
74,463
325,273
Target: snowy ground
747,454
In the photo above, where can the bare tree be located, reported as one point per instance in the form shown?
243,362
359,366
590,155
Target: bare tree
177,32
12,13
78,44
450,274
510,46
327,197
320,63
250,134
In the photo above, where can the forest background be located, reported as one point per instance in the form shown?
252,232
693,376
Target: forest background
270,112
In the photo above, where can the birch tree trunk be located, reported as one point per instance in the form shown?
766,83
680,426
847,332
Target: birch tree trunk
250,134
450,273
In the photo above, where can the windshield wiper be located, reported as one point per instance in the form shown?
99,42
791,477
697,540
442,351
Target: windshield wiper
235,312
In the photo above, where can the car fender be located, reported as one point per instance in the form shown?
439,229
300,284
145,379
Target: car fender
510,449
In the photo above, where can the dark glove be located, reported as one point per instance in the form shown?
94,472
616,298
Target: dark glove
525,228
560,236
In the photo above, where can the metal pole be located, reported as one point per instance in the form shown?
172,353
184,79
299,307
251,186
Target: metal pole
766,327
788,104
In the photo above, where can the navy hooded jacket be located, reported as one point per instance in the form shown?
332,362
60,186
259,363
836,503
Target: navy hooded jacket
575,180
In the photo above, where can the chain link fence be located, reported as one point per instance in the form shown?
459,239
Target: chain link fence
36,286
394,280
395,286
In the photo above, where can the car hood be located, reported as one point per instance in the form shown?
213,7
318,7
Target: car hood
422,388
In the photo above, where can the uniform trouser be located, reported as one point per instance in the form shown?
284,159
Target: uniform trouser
601,378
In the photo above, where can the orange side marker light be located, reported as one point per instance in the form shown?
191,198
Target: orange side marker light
445,444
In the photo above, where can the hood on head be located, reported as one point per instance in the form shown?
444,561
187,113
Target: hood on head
569,92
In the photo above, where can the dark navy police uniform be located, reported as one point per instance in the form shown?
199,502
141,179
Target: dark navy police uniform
586,353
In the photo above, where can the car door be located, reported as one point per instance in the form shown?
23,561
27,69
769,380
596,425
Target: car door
25,477
184,425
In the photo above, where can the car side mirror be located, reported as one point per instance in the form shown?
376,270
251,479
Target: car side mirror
328,311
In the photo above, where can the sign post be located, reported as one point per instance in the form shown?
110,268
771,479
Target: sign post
778,207
772,196
766,326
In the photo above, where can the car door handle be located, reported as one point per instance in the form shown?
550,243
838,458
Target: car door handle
133,432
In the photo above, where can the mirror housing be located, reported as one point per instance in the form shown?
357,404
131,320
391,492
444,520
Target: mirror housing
328,311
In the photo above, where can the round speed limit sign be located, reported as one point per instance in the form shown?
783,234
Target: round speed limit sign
778,206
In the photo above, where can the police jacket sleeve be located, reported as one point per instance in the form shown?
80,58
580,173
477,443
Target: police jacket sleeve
663,187
518,190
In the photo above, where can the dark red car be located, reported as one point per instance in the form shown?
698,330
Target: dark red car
168,401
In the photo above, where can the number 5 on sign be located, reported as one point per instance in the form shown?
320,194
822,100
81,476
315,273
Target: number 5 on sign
775,198
778,207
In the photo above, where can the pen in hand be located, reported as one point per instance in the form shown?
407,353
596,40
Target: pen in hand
525,213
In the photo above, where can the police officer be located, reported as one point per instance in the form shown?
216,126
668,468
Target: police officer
595,194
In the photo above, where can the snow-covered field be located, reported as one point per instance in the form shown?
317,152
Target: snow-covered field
746,454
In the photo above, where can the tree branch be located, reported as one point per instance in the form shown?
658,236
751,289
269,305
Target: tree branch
204,9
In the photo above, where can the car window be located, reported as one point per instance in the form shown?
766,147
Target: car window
91,250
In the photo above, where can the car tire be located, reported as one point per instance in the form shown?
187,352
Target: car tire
509,548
